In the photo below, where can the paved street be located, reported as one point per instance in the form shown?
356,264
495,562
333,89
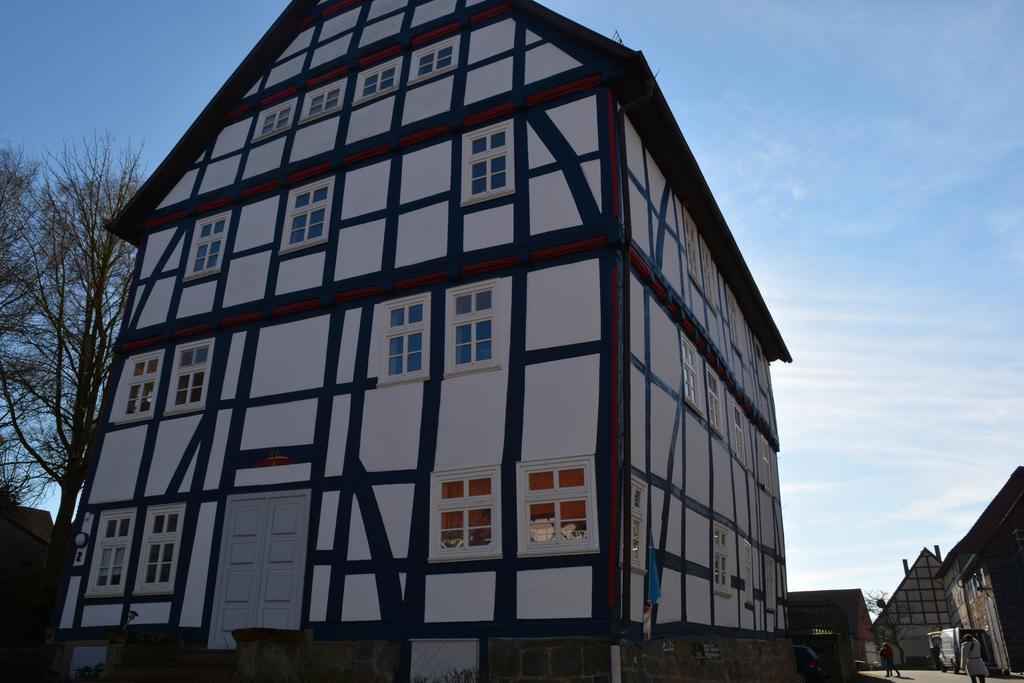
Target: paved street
929,677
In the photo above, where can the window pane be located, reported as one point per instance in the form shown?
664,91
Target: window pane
202,354
574,530
204,231
219,227
480,536
483,300
480,487
483,350
497,181
154,553
415,362
320,194
150,573
186,357
123,531
415,313
463,334
451,520
138,369
480,517
479,170
542,518
452,489
415,342
463,354
573,509
158,524
568,478
111,528
479,186
397,317
497,164
483,329
395,366
165,572
396,346
302,200
451,539
151,367
540,481
498,139
172,523
479,145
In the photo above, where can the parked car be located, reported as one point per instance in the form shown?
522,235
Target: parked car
808,665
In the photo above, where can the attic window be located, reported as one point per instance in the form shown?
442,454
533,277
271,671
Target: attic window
275,120
434,60
378,81
324,100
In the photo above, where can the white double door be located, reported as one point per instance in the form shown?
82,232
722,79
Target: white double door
262,564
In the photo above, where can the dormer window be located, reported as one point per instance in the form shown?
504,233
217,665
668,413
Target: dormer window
378,81
275,120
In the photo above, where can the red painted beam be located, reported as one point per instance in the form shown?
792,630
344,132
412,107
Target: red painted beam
421,281
566,249
128,347
236,113
328,76
581,85
356,294
191,331
262,188
488,266
423,135
487,14
376,57
164,220
441,32
213,204
298,307
310,172
279,95
338,6
371,153
489,115
236,320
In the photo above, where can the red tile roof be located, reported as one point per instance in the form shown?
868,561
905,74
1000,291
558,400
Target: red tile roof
36,522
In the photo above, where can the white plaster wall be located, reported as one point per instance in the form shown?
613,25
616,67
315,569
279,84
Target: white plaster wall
637,321
360,250
558,593
67,614
663,420
435,97
172,439
314,139
492,40
592,173
102,615
426,172
339,24
301,42
151,612
155,310
281,424
349,345
264,158
381,7
698,600
331,50
740,496
338,436
359,601
547,60
722,480
197,299
233,366
118,466
247,279
698,480
380,30
670,607
156,245
215,463
285,71
666,360
488,228
383,447
536,150
319,592
270,476
358,545
328,520
432,10
475,591
577,121
232,138
552,206
371,119
674,537
395,503
489,80
698,538
182,190
303,272
471,424
422,235
564,305
640,213
560,411
220,173
256,224
638,417
291,357
366,189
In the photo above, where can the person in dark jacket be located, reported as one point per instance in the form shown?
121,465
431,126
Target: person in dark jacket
888,658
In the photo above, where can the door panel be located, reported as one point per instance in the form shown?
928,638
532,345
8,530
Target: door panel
262,565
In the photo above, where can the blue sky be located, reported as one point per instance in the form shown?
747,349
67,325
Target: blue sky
868,156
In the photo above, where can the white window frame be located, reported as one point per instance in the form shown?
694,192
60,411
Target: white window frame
103,542
437,552
164,538
171,406
275,111
124,392
422,327
293,212
766,465
638,525
710,278
469,158
748,574
720,579
691,386
454,320
365,74
713,386
739,433
340,85
433,49
692,251
557,495
735,322
198,241
770,587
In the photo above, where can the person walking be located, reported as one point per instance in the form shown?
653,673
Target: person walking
971,659
888,658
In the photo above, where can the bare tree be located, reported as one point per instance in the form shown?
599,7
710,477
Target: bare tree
75,276
887,622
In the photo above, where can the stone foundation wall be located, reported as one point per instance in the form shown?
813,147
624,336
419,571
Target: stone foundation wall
268,655
674,660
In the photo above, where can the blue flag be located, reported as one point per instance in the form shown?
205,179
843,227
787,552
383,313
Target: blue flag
653,584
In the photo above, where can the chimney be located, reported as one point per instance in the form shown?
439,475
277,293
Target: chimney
906,567
938,555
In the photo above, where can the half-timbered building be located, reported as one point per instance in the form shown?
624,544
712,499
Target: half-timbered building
435,327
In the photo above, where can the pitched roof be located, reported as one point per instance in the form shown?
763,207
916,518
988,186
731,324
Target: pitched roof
925,554
990,520
36,522
650,114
